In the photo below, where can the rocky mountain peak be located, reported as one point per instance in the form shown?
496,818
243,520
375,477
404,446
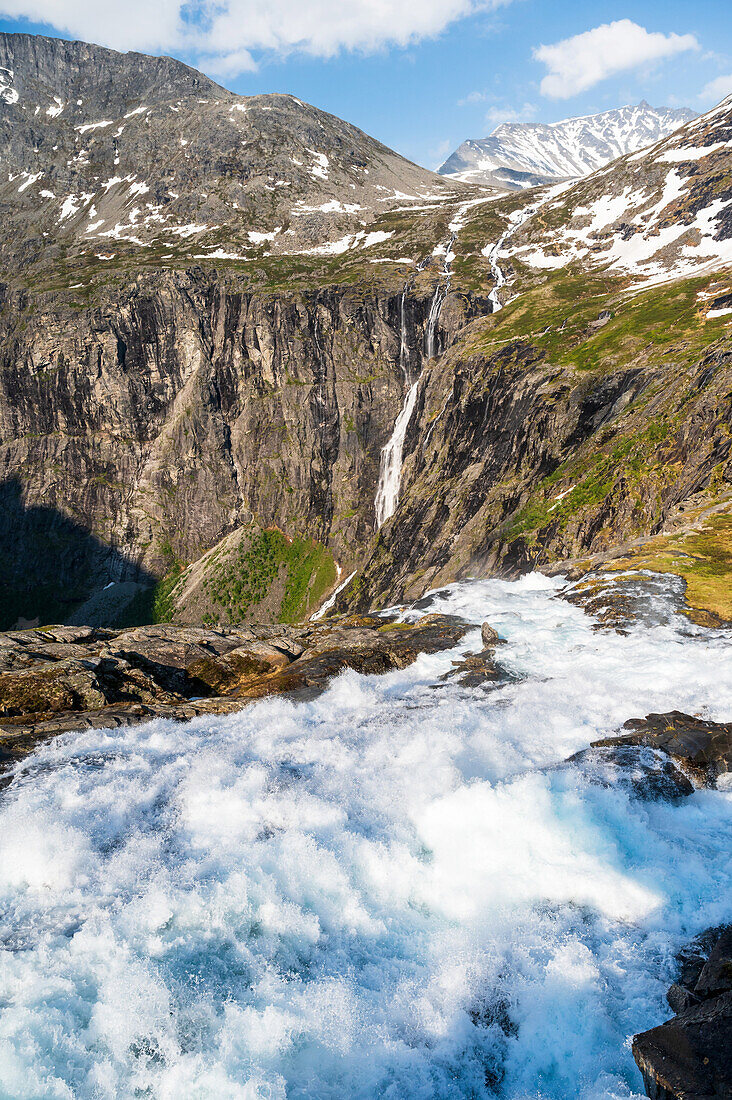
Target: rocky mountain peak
103,149
521,154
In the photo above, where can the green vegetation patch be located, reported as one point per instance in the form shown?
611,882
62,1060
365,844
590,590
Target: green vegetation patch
592,478
702,557
246,579
588,321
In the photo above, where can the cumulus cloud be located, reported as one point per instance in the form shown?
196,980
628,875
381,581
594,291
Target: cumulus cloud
472,97
495,116
716,89
232,34
578,63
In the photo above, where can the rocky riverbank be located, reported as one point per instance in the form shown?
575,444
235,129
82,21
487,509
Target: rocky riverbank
690,1056
63,678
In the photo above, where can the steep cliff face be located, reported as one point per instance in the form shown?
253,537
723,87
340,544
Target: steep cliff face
183,405
223,302
516,462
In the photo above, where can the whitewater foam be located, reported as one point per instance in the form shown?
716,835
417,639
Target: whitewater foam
395,890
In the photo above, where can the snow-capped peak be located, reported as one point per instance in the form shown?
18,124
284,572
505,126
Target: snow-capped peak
525,154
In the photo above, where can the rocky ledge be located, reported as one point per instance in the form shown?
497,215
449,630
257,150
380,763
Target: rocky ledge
64,678
701,748
690,1056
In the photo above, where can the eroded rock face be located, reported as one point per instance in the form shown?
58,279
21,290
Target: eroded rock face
181,406
66,679
690,1056
483,492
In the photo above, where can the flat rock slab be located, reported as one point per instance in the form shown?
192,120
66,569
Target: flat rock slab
61,679
702,748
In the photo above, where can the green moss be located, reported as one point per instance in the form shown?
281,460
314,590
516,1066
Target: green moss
246,580
561,317
702,556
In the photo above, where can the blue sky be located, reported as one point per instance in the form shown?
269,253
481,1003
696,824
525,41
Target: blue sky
422,75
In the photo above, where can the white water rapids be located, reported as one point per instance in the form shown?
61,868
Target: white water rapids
395,890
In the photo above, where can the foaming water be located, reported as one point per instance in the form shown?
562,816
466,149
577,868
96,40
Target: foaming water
390,891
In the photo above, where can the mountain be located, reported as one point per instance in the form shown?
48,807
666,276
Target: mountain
587,419
519,155
229,326
106,152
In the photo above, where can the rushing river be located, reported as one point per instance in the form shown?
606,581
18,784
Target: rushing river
390,891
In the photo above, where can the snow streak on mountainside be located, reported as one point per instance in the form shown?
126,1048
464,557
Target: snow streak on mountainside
520,155
663,213
102,150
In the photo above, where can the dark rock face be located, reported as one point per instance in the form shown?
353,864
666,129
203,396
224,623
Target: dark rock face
690,1057
647,774
490,430
702,748
64,678
275,406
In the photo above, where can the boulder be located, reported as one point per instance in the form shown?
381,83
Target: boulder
490,636
690,1056
701,747
647,774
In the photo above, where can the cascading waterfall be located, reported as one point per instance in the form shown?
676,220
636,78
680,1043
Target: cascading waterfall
387,492
492,252
403,346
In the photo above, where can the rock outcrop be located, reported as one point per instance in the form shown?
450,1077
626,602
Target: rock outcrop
702,748
66,678
690,1056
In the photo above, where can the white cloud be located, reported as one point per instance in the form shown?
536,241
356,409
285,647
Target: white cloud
578,63
229,34
716,89
472,97
495,116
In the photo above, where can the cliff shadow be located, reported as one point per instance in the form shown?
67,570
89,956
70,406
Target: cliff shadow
52,568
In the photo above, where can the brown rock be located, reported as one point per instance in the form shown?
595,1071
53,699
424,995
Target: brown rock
689,1057
703,748
489,635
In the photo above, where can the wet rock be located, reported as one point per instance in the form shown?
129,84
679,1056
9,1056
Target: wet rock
618,602
489,635
646,773
716,974
232,671
66,685
478,670
680,998
701,747
113,678
690,1056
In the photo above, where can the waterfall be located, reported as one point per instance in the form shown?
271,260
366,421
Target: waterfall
403,346
441,291
390,473
387,494
492,252
325,608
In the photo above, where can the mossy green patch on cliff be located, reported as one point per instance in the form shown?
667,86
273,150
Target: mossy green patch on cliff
244,580
588,321
614,460
702,556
